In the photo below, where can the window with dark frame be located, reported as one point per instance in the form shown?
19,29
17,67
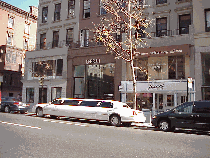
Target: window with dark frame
69,36
184,22
57,12
10,22
71,7
176,67
161,2
55,42
9,39
161,27
86,8
207,20
43,41
84,38
30,95
102,9
59,67
44,14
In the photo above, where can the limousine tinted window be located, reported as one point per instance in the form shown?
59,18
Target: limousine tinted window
58,102
89,103
71,102
106,104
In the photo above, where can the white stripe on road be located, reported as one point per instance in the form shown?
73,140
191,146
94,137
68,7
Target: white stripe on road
20,125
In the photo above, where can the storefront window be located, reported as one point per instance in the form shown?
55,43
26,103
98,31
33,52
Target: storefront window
170,100
142,72
176,67
56,92
42,95
79,87
205,69
30,95
100,81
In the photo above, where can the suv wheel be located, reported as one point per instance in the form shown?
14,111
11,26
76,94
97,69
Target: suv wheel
164,125
7,109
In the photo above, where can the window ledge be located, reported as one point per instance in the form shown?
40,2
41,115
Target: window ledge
70,17
57,21
162,5
85,18
184,1
42,24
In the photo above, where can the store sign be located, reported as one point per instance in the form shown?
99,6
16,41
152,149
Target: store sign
92,61
155,86
158,86
163,52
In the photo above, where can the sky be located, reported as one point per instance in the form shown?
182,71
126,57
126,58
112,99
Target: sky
23,4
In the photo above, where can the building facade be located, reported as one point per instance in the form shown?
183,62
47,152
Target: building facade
46,67
18,35
201,21
171,56
92,73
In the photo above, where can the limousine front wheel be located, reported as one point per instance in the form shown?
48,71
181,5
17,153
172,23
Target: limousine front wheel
39,112
115,120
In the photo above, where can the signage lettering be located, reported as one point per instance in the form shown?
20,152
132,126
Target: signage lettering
92,61
156,86
163,52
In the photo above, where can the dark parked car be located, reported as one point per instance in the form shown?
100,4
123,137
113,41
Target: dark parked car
9,104
189,115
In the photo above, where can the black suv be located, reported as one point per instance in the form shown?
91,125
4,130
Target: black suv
189,115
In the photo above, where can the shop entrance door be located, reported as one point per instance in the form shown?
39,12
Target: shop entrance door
42,95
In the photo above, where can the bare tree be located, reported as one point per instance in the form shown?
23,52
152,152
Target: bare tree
121,30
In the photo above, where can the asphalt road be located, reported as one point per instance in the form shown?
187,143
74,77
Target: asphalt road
27,136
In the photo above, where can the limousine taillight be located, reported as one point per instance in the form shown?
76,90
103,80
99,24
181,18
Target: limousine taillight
134,113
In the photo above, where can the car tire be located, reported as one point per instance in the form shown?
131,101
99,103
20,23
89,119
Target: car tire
22,112
7,109
53,117
39,112
127,124
115,120
164,125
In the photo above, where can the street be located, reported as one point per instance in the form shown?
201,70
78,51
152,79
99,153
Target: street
29,136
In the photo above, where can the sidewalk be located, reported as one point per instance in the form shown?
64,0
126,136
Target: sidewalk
143,124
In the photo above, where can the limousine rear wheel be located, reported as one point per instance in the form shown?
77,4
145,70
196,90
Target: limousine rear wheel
39,112
115,120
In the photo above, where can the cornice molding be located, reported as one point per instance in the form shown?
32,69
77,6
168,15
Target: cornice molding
187,8
162,12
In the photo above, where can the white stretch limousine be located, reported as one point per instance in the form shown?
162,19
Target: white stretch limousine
114,112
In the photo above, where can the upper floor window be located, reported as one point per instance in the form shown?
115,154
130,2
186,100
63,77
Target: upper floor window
59,68
161,27
43,41
161,1
69,36
57,12
44,14
176,67
84,38
25,44
184,22
55,39
9,39
71,7
207,20
11,22
27,28
102,9
86,9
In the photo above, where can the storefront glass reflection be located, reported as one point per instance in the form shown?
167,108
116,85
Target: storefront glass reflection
94,81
